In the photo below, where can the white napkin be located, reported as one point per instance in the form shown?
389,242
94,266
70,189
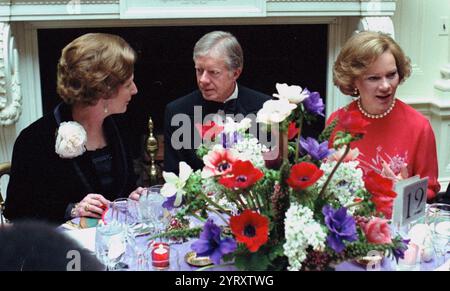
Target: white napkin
420,235
85,237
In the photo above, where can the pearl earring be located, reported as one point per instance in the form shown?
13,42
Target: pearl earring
356,92
105,107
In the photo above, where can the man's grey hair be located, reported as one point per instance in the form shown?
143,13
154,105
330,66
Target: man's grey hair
223,43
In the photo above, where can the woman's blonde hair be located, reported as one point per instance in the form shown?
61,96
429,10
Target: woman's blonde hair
93,66
361,51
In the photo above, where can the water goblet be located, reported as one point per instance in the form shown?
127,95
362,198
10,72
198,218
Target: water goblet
110,243
438,220
151,209
124,211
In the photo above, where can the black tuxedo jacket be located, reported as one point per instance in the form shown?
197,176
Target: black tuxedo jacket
42,185
248,102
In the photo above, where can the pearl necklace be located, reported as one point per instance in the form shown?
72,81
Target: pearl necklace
375,116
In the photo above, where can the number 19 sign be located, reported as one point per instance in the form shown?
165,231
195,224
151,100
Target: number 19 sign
411,200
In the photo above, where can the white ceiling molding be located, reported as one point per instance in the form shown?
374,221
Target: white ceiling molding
380,24
29,10
443,84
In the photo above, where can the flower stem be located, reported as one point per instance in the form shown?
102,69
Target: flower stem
238,204
218,214
243,205
348,206
210,201
250,201
261,203
198,217
322,192
297,145
255,201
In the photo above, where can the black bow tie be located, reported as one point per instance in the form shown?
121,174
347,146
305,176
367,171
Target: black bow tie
213,107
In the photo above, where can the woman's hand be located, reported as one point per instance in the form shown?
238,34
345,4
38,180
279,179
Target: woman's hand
92,205
388,173
136,194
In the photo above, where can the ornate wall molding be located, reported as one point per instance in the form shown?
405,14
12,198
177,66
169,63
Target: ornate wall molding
60,10
383,24
444,83
64,2
10,93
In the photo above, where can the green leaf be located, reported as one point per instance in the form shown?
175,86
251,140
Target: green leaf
276,251
252,261
326,133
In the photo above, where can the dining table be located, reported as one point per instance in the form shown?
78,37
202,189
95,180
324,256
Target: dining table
139,258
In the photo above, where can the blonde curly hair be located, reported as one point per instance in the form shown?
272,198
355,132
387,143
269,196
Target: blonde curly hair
360,52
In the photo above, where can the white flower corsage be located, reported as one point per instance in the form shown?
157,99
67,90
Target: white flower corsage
71,140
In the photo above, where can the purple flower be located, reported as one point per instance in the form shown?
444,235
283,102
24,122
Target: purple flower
210,244
341,226
231,138
168,203
399,252
314,104
314,149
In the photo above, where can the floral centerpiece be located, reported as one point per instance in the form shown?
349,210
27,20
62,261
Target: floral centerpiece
314,209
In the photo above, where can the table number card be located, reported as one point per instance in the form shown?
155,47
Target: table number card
411,200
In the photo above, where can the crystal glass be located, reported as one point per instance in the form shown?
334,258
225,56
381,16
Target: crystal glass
110,243
152,212
123,213
438,220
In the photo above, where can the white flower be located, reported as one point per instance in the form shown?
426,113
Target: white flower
244,124
249,149
301,231
275,111
232,126
174,185
293,94
344,185
71,140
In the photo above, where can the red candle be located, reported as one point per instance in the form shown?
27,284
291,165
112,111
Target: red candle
160,256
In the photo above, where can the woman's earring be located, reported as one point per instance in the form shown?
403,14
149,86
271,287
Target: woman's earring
356,92
105,107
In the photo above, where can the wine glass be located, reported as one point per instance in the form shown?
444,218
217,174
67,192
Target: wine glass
126,211
110,243
151,208
438,220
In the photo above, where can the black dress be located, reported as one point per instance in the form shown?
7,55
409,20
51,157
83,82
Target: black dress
44,186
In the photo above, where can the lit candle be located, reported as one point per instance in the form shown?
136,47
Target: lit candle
160,256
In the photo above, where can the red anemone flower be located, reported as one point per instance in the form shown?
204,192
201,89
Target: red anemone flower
353,122
382,194
243,175
250,228
218,162
292,131
209,131
303,175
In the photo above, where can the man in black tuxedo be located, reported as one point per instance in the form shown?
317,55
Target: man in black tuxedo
218,62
